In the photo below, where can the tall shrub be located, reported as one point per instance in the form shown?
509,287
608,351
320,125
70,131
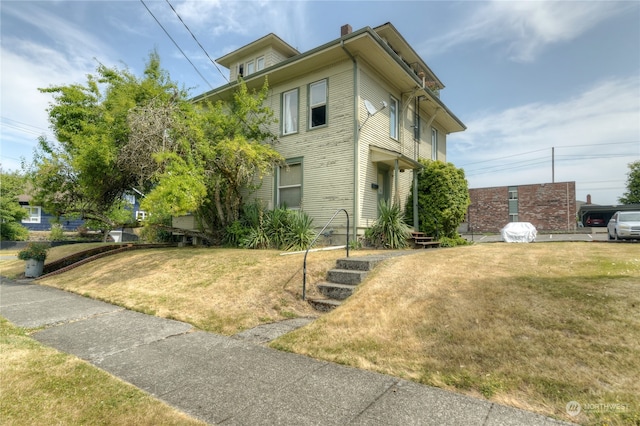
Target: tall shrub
443,199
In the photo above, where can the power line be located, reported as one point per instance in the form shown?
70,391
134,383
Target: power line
176,44
198,42
507,167
22,129
591,156
22,123
598,144
546,149
513,163
502,158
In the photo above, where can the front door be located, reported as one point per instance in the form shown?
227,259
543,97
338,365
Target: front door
384,184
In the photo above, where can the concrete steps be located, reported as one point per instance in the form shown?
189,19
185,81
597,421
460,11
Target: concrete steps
342,281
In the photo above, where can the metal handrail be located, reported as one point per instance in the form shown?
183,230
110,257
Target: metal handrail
304,266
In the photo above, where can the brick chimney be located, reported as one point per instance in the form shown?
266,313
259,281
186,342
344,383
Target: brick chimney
345,29
588,198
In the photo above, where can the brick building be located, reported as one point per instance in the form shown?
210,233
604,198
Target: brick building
548,206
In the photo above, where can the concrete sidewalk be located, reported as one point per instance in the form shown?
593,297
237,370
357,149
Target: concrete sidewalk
229,381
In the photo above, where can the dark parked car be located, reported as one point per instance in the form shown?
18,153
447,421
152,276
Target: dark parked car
595,221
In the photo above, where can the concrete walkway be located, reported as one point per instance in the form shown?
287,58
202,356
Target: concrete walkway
232,381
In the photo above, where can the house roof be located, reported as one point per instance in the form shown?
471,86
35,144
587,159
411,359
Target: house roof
389,157
383,48
270,40
399,45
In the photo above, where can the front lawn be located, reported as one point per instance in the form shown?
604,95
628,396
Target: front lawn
534,326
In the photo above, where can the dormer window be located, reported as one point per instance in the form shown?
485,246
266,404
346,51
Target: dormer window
260,63
240,70
251,67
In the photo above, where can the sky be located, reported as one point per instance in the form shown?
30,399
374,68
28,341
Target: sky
549,91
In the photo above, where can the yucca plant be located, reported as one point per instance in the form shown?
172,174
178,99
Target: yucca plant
277,226
390,230
255,219
300,232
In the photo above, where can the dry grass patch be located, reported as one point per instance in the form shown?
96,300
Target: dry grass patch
13,268
42,386
215,289
529,325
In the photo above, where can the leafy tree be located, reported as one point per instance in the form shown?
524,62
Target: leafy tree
11,213
632,196
443,199
119,133
96,158
227,154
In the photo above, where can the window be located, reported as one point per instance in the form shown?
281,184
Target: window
251,67
33,214
141,215
318,104
513,204
434,144
240,70
260,63
290,112
393,118
290,185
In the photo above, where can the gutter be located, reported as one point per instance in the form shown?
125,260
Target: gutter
410,72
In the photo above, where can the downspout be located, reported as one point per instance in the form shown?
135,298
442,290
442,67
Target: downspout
416,154
356,137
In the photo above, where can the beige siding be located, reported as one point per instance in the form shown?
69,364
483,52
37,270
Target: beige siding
376,132
326,152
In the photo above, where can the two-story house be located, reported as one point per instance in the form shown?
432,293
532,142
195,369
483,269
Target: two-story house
354,117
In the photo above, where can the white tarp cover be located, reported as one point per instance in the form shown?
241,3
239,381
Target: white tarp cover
518,232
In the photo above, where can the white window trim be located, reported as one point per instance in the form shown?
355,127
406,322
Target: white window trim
250,67
312,106
35,214
289,130
289,163
260,63
394,116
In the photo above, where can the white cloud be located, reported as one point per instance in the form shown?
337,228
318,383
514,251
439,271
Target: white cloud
595,134
68,38
524,28
224,19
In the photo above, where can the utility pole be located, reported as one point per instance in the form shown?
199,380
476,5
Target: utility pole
553,165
